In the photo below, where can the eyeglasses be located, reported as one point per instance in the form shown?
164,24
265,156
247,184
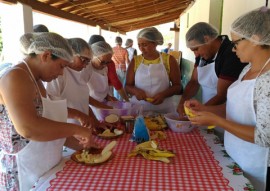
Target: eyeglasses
84,59
102,62
235,43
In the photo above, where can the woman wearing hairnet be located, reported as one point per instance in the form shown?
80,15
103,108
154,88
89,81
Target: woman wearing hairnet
71,81
153,77
33,129
113,79
247,123
96,74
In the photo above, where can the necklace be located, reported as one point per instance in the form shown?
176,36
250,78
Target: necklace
265,64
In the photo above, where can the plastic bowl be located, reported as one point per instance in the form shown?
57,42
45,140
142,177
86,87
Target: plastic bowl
119,108
176,125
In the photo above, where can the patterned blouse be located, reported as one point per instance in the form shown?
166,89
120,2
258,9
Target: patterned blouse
262,108
10,144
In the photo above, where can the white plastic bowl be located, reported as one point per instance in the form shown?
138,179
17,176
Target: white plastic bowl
176,125
119,108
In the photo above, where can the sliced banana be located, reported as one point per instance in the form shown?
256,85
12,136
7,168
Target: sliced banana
103,157
118,132
108,147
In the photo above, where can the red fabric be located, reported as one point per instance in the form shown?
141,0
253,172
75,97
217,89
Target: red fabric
112,77
137,173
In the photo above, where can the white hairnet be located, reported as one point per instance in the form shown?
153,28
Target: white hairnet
78,45
129,42
46,41
151,34
197,33
101,48
256,22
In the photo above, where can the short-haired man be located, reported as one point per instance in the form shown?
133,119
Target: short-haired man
216,67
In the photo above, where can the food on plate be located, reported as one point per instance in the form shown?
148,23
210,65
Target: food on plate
118,132
155,123
112,118
150,151
107,134
158,135
149,99
89,158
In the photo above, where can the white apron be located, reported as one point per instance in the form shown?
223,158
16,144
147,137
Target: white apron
153,79
98,85
76,92
252,158
208,79
39,157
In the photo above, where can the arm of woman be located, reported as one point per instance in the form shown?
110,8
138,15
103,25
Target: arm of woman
245,132
98,104
114,80
190,91
130,83
175,87
18,93
262,110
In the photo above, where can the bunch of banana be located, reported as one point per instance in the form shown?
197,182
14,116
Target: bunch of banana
190,114
89,158
150,151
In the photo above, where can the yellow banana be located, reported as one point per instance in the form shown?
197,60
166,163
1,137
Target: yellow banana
211,127
159,153
147,144
149,157
188,112
149,99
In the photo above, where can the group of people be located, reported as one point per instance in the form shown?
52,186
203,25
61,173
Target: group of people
39,119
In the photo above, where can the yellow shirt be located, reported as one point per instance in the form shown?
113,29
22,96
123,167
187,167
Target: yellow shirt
165,57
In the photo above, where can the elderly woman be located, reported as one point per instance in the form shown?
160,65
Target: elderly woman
247,123
33,129
153,77
96,74
70,86
113,79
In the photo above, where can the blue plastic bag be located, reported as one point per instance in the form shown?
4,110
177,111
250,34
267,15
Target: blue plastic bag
140,133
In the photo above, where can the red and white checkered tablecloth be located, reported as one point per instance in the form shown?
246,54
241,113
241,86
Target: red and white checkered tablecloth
193,168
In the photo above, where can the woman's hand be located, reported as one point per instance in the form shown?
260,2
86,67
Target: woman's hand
85,138
140,94
83,119
111,98
194,105
158,99
204,118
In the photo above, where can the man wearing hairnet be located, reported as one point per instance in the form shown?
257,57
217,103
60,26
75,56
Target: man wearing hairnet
153,77
216,69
